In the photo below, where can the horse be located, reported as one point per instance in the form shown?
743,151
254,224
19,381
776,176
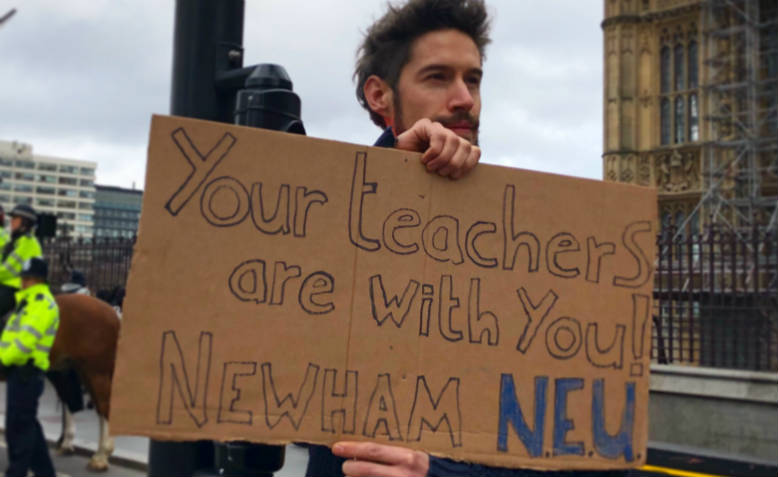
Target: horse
86,341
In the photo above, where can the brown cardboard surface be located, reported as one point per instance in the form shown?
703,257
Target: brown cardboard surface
285,289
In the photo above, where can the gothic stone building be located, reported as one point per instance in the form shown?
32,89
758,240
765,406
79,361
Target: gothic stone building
675,109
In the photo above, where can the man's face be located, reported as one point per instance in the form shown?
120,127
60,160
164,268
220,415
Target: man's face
441,82
16,222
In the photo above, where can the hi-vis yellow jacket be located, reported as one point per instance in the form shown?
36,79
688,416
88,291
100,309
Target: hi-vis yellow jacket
25,248
29,333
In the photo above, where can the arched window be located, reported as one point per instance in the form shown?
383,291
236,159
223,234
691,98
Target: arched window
678,64
679,120
693,76
694,118
664,121
664,69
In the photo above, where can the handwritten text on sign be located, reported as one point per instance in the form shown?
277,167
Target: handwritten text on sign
288,289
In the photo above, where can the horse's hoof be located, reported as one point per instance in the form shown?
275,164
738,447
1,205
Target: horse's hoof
66,450
97,464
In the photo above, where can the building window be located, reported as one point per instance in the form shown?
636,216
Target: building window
679,119
665,121
68,169
693,70
25,176
678,67
45,190
694,118
45,166
68,180
679,110
25,164
22,200
664,69
47,178
23,188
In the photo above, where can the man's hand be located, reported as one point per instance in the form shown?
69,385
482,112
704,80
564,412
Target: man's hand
371,459
444,152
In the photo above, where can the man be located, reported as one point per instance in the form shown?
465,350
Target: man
418,74
22,247
24,353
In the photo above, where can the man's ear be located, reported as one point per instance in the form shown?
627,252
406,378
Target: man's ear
379,97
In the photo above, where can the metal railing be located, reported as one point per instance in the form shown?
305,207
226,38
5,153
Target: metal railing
104,261
715,293
716,298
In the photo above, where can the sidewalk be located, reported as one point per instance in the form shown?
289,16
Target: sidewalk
129,451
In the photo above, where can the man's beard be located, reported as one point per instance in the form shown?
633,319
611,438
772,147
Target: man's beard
447,121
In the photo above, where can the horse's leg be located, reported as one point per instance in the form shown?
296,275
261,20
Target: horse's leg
65,444
99,460
101,394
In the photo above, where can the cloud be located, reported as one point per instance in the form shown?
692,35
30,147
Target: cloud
80,79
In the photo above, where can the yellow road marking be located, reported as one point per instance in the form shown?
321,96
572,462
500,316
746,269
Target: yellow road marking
677,472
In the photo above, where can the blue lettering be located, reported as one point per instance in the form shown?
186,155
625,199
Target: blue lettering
607,445
563,425
510,413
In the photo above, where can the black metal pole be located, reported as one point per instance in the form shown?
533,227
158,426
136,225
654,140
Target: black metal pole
207,41
207,74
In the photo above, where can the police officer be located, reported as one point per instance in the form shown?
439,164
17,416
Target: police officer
24,353
4,237
22,247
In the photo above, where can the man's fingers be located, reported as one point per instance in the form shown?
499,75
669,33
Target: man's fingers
369,451
363,468
457,161
369,458
470,162
444,152
451,145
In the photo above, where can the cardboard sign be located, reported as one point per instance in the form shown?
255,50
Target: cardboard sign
285,289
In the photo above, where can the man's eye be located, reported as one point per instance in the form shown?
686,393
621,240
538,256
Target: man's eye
436,77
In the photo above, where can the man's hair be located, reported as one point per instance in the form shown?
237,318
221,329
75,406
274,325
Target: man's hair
386,47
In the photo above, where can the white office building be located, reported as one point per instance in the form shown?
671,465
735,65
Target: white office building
63,187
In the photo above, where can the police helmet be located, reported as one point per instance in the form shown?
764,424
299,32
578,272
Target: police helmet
35,268
26,212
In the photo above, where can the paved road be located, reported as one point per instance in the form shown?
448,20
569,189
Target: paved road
131,453
75,465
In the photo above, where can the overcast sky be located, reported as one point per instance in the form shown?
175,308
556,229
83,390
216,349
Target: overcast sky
80,78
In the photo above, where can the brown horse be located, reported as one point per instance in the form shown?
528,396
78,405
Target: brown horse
86,341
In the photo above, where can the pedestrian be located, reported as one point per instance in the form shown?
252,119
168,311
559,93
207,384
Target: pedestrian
76,284
24,353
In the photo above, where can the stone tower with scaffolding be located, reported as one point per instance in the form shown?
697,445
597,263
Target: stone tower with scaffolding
691,108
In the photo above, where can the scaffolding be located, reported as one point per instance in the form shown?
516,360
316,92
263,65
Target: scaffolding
741,90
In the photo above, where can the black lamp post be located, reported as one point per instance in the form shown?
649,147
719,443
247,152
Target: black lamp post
209,82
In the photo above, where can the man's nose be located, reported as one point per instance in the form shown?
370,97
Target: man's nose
460,96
